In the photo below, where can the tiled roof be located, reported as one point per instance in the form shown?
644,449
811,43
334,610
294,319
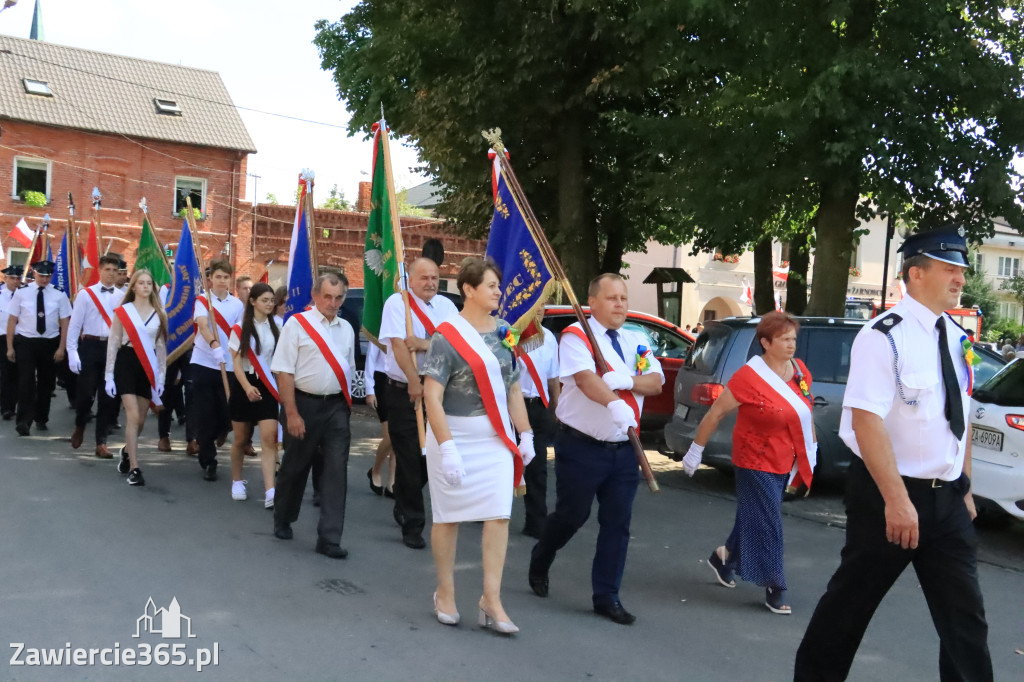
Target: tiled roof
114,94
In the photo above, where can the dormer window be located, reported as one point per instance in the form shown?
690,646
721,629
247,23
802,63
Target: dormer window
167,107
37,87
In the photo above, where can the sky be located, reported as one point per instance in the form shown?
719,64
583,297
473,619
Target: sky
263,51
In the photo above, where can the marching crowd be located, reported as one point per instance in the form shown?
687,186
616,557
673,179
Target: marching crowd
465,411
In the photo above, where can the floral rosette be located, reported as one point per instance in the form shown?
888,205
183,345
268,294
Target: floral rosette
643,359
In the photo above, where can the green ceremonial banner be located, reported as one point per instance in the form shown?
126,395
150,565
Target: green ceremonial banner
150,255
380,270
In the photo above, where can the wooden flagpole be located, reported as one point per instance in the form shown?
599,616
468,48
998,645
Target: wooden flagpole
31,250
206,289
72,242
396,229
493,136
314,261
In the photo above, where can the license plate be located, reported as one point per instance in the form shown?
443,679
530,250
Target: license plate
987,438
682,411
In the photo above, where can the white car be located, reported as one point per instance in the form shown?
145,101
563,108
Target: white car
997,415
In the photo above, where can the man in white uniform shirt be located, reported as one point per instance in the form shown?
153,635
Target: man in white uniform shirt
87,354
402,365
37,331
209,354
541,364
8,370
908,496
316,412
593,455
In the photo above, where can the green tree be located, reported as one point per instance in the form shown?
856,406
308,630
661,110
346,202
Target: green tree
1015,285
271,199
978,292
336,200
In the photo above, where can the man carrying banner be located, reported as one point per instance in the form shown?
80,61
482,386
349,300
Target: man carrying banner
593,456
8,370
209,356
314,361
87,354
403,363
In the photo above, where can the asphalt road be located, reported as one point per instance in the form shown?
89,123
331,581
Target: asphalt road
82,553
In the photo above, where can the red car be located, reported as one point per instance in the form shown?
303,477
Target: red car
671,346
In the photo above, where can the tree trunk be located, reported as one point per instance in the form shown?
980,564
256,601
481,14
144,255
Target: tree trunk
764,294
576,229
615,245
796,283
834,244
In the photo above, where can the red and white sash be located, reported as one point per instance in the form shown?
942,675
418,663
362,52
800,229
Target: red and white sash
99,306
486,369
218,318
332,354
627,396
803,468
259,367
531,368
421,315
143,346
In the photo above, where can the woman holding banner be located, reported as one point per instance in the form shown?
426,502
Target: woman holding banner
137,363
473,399
773,443
254,396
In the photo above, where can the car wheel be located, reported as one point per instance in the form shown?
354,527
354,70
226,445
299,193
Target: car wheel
359,385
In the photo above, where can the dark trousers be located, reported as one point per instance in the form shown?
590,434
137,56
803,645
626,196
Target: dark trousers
946,565
536,474
410,464
37,377
585,469
93,354
8,381
175,396
210,411
326,441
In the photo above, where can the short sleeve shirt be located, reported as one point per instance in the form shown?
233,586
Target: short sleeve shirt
392,327
545,360
267,343
56,307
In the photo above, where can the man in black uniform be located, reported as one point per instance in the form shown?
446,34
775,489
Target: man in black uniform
8,370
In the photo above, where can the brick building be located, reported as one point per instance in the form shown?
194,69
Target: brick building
73,119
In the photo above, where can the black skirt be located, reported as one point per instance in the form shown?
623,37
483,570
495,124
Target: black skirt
380,388
246,411
129,377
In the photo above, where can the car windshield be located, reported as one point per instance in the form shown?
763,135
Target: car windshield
708,348
1005,388
662,342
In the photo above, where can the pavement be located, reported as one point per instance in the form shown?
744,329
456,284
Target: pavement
83,553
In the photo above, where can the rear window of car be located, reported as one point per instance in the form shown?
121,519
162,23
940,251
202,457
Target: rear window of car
664,343
827,353
708,348
1005,388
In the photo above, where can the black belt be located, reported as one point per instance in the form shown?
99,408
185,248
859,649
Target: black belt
317,396
92,337
590,439
400,384
533,401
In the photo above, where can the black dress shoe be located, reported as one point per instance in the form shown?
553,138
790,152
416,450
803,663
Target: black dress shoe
330,550
414,541
377,489
539,583
22,429
388,493
210,472
8,416
399,516
615,613
41,426
531,533
283,531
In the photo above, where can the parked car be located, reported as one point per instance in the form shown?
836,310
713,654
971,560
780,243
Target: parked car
823,344
671,345
997,453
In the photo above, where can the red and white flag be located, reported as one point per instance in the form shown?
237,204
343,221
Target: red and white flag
23,233
746,297
91,259
266,274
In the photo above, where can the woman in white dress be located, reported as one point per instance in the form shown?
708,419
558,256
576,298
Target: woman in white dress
125,374
472,458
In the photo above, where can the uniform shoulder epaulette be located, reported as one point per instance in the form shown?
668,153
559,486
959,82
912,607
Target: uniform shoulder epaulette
886,324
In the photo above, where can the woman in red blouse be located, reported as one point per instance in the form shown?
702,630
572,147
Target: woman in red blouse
773,444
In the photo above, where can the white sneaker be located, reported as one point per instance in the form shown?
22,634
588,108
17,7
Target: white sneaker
238,490
268,503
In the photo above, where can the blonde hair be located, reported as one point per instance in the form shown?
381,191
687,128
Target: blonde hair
154,298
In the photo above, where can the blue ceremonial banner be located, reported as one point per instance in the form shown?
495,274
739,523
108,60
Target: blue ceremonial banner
186,284
300,263
62,271
526,281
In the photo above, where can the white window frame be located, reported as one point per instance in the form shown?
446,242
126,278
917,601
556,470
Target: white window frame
12,251
1008,267
186,178
979,262
31,159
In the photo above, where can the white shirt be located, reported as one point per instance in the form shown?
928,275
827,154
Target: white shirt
297,354
922,441
545,360
374,363
577,410
5,303
231,309
165,293
86,319
392,327
23,306
267,343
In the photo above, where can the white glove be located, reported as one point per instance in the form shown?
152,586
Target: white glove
618,381
74,361
451,464
526,449
224,356
158,390
622,415
110,388
692,459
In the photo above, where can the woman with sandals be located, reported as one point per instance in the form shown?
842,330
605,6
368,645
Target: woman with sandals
473,399
137,363
254,397
773,444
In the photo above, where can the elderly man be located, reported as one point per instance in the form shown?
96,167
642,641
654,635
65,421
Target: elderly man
313,362
402,364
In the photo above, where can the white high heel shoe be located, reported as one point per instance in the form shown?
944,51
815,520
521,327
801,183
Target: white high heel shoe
504,627
445,618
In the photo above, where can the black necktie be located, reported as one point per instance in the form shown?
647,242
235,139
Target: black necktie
614,336
40,312
954,401
107,290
